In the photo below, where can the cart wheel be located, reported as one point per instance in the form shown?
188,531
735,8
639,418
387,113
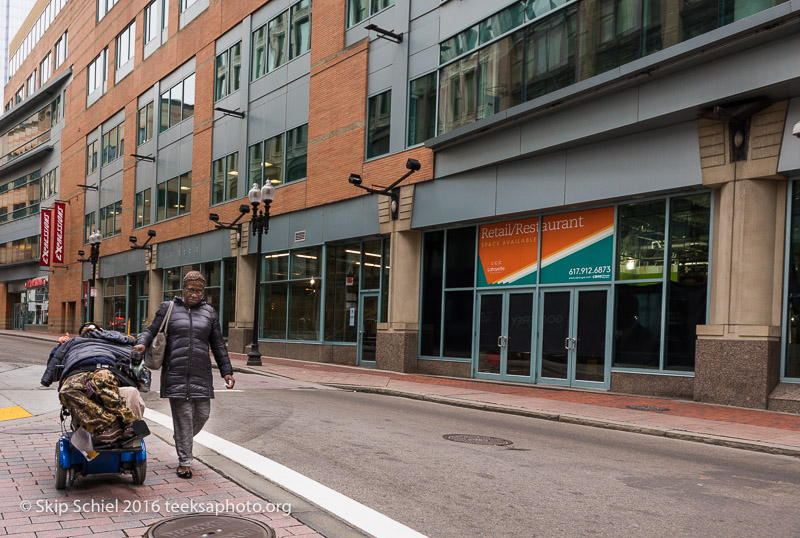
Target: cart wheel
61,472
139,472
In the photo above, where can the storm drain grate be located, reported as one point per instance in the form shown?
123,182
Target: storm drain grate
477,439
647,408
208,526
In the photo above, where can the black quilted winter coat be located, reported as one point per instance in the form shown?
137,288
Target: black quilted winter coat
186,372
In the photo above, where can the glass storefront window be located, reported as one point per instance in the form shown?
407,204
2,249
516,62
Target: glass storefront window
460,258
421,109
687,288
115,315
432,283
637,329
342,272
792,351
299,303
371,272
640,240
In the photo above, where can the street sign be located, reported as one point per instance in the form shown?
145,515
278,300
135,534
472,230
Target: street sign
94,292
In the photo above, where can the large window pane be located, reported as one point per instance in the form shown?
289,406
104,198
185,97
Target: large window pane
273,160
306,263
232,176
792,368
341,292
276,266
176,104
460,266
458,104
637,328
296,153
432,281
356,11
164,106
372,265
502,22
217,181
379,116
188,97
459,44
277,40
500,83
255,165
611,35
273,311
173,203
258,62
301,28
304,312
221,76
185,194
550,53
422,109
457,338
640,240
236,66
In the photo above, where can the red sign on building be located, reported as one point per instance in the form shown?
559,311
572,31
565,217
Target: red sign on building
58,238
44,242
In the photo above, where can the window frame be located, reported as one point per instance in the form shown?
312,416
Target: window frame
127,36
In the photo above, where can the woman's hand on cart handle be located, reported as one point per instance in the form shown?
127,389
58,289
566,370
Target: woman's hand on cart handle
138,347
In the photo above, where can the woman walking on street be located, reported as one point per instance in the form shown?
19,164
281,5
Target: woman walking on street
186,378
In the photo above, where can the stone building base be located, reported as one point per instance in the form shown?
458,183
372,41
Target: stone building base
240,340
736,372
665,386
444,368
396,351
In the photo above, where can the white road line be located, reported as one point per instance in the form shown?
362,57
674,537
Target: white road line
331,501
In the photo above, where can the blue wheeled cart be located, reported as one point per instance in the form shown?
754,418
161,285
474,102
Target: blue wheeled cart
130,456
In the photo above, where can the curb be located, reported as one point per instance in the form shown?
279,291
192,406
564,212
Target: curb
31,336
682,435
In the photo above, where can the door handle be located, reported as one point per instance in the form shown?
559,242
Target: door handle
566,343
505,341
574,343
500,341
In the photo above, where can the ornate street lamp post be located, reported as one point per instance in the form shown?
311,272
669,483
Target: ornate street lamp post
94,256
260,225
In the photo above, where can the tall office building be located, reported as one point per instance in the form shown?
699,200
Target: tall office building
12,15
605,193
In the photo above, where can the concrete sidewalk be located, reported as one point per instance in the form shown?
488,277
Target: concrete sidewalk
764,431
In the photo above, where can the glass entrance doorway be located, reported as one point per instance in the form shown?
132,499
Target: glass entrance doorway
367,328
574,331
505,325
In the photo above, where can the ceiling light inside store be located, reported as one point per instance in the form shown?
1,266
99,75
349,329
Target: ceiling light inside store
630,265
267,164
353,252
233,173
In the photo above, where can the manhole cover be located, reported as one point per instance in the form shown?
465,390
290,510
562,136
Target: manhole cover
209,526
477,439
647,408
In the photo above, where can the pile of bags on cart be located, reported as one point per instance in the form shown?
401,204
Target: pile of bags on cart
100,380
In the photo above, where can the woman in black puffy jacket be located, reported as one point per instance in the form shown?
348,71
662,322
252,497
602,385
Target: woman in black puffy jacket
186,377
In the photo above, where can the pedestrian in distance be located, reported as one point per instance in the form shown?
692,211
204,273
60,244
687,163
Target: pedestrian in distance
186,379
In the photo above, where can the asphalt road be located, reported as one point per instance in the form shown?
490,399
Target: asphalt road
554,480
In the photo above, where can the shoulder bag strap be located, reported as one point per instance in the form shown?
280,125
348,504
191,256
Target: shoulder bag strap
165,321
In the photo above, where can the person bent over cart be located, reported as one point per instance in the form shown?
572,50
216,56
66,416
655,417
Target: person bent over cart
98,384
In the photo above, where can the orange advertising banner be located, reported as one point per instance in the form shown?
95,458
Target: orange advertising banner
577,246
508,252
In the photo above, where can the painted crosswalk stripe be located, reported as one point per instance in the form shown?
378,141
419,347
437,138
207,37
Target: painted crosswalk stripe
341,506
10,413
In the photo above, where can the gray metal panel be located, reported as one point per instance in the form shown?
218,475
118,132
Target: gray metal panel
423,62
586,119
299,67
297,102
790,146
20,229
122,263
110,169
356,217
269,11
310,221
111,189
381,54
225,137
457,16
420,7
423,32
746,71
498,146
531,184
271,82
194,249
662,159
185,155
145,172
268,118
276,239
24,271
380,81
470,195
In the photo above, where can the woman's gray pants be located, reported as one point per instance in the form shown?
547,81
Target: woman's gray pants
188,418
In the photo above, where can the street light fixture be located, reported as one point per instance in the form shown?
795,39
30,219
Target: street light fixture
391,191
94,255
260,225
